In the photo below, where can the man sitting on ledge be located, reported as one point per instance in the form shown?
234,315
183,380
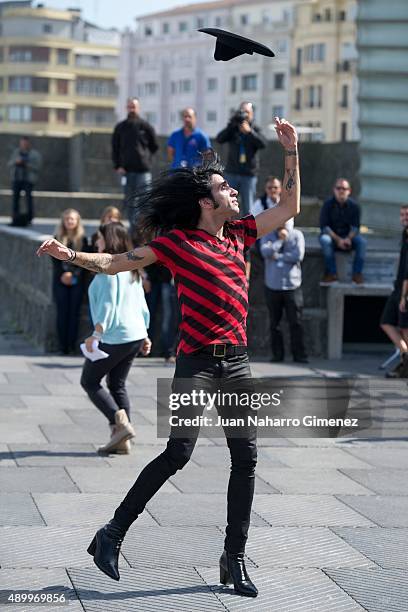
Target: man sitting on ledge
340,226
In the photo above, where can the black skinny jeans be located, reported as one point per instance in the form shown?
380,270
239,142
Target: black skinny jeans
116,369
202,370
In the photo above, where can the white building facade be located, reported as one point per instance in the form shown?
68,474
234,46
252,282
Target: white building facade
168,65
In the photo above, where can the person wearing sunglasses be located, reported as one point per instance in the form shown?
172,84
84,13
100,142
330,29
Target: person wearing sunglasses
340,227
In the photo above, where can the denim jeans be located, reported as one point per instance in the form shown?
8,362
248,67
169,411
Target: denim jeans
116,368
291,302
358,244
166,294
202,370
136,182
246,187
18,187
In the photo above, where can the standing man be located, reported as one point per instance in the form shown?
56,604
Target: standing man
340,227
245,140
394,319
133,144
25,163
193,210
270,199
283,251
186,144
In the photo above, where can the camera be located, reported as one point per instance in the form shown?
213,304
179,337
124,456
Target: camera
240,116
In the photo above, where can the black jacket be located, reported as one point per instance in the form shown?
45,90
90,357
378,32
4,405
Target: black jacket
251,142
133,143
60,266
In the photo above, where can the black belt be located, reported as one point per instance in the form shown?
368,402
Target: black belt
221,350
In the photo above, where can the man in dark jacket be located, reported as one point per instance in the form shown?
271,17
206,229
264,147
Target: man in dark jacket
133,144
24,165
245,140
340,227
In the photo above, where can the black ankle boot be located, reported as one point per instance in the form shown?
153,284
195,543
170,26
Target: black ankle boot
233,570
105,549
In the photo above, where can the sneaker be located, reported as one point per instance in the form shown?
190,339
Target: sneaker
329,278
358,279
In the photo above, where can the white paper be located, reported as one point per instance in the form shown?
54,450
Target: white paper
96,353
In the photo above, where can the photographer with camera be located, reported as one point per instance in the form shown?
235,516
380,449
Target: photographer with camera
245,140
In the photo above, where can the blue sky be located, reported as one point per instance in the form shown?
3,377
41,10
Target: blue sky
119,14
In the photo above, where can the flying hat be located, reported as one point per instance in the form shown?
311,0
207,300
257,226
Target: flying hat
231,45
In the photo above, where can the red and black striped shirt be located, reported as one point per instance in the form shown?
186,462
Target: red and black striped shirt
209,274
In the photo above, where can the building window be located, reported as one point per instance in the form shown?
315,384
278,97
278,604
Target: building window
319,96
249,82
218,22
1,83
182,26
151,89
173,87
151,117
166,28
315,53
278,111
47,28
1,54
343,131
62,87
19,113
212,84
282,45
298,99
299,53
344,96
244,19
62,115
94,116
39,115
211,116
200,23
148,31
279,80
28,84
342,15
316,17
233,88
311,96
29,54
327,14
96,87
62,56
185,85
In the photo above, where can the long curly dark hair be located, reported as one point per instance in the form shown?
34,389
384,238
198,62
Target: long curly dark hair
172,201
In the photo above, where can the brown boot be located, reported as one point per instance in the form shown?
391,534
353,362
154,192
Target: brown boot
329,278
358,279
122,431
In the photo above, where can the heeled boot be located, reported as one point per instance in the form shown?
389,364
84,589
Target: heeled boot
105,548
120,433
121,448
233,571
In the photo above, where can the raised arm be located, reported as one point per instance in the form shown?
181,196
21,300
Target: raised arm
102,263
289,205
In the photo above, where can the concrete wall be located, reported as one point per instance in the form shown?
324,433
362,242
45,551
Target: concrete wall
83,163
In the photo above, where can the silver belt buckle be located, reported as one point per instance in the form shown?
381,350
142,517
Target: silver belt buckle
223,348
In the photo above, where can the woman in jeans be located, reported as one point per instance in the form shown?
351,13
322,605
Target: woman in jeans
69,281
120,317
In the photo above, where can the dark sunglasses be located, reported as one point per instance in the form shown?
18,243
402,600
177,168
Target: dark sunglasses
342,188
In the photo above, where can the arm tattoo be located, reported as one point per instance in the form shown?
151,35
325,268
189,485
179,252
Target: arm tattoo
291,152
131,255
291,179
99,263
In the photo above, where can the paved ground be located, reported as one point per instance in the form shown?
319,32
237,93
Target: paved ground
330,523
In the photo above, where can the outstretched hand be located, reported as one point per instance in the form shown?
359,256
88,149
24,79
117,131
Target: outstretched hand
286,132
55,249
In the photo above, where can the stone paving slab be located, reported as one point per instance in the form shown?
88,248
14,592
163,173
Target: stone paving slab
6,458
175,546
302,547
377,590
284,590
306,511
386,547
21,432
35,455
395,458
13,363
10,401
192,510
75,433
55,403
47,546
310,482
68,508
18,509
219,457
384,511
88,418
23,389
140,456
39,581
68,390
163,589
384,482
35,480
110,480
34,416
193,479
316,458
35,378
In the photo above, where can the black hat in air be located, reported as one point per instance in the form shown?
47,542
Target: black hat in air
231,45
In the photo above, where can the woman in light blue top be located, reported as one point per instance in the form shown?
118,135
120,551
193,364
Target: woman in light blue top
120,317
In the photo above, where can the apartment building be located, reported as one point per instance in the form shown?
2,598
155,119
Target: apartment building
57,72
169,65
324,70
